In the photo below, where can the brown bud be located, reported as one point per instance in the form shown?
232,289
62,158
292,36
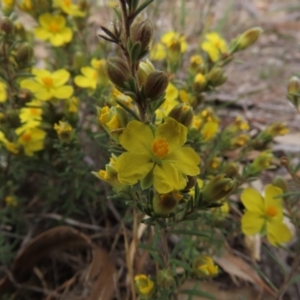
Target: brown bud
155,84
117,71
142,32
183,114
24,54
164,204
6,26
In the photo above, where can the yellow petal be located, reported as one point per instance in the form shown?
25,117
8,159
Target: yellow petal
278,233
132,167
271,192
185,160
63,92
60,77
88,72
67,34
30,85
41,33
168,36
45,20
137,137
84,82
253,201
166,178
252,223
57,40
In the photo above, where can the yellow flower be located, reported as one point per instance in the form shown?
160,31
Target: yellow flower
239,140
196,61
222,211
160,155
144,285
64,131
11,201
68,7
209,130
265,215
261,162
92,76
53,28
30,114
3,92
277,129
204,267
31,139
46,85
214,45
239,124
117,95
174,41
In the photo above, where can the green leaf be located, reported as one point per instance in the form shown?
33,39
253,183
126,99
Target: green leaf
135,51
198,293
189,232
294,279
180,263
135,116
142,7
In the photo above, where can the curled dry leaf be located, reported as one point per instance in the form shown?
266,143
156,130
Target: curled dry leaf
236,266
58,239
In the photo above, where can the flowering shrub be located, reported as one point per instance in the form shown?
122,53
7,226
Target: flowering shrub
166,150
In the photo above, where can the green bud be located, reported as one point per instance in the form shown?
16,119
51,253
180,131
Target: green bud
281,183
142,32
20,30
216,76
24,54
183,113
231,170
118,71
248,38
219,187
165,278
261,162
155,84
6,26
145,69
164,204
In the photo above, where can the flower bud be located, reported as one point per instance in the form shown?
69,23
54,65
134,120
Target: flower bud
155,84
239,141
165,278
199,82
219,187
7,6
11,201
196,62
164,204
261,162
281,183
24,54
118,71
248,38
142,32
145,69
276,129
183,113
214,164
216,76
64,131
144,285
6,26
204,267
231,170
294,85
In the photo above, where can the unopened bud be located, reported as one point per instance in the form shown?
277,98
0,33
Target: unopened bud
144,285
117,71
7,6
165,278
155,84
281,183
183,113
142,32
64,131
164,204
6,26
145,69
219,187
261,162
24,54
231,170
248,38
199,82
216,76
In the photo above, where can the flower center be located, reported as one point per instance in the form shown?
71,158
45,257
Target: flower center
26,137
67,2
48,82
34,111
160,147
271,211
53,27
